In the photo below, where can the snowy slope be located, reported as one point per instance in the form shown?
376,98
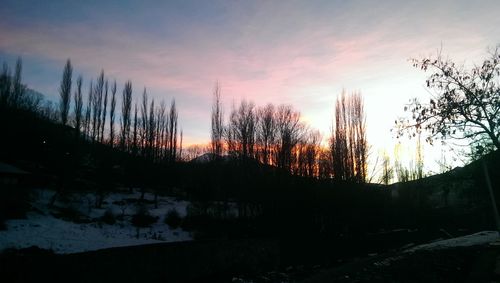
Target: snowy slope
44,230
480,238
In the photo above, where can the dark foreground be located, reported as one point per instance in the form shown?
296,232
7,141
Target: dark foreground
246,261
464,264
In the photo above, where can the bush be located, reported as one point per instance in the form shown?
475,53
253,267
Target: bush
173,218
109,217
142,218
72,214
13,204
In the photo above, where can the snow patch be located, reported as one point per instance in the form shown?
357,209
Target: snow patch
480,238
45,231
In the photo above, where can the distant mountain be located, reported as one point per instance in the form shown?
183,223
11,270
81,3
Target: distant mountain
204,158
35,93
207,157
462,188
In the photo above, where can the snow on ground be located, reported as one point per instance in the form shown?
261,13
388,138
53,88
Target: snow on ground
44,230
480,238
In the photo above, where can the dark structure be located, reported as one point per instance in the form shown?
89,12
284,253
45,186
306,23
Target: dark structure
11,176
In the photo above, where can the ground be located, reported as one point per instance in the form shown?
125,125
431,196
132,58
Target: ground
471,258
48,227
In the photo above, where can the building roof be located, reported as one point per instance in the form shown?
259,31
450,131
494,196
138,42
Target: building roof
9,169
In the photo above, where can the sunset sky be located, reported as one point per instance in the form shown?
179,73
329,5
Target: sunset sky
297,52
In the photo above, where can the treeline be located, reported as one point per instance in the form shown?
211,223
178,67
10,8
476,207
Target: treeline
14,94
276,136
147,129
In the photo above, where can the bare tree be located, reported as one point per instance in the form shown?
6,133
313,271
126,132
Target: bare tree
5,85
312,148
97,107
105,105
88,110
151,130
180,146
266,133
160,131
144,123
78,99
134,132
230,133
387,170
325,170
217,126
358,136
125,120
112,115
289,131
65,92
18,88
243,125
348,142
172,131
466,104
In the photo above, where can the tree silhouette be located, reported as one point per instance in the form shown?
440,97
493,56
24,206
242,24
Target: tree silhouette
65,92
78,99
18,88
216,123
387,170
289,131
125,119
5,85
311,151
105,105
134,132
160,132
88,111
97,107
348,143
242,127
112,115
266,132
465,106
172,132
151,130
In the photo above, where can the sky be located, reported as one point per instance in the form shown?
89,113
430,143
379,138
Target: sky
302,53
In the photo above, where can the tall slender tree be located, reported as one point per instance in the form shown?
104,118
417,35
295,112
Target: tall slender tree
78,99
134,132
88,110
104,110
18,88
5,85
348,142
97,107
125,119
112,115
65,92
144,123
172,131
217,126
151,130
266,134
243,125
289,131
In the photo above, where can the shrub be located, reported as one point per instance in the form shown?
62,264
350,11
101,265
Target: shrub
142,218
109,217
173,218
72,214
13,204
